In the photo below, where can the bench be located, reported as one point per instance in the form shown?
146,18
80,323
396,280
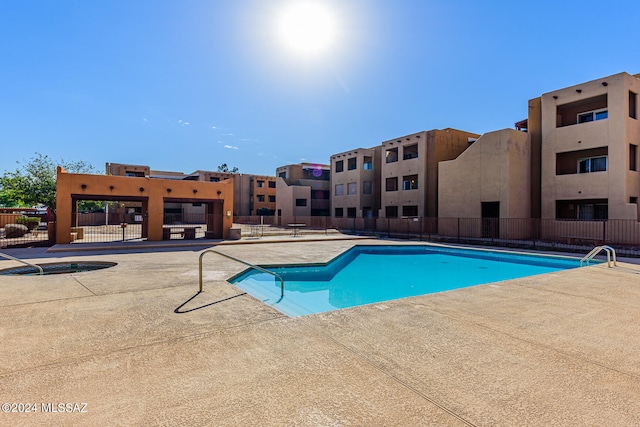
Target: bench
185,231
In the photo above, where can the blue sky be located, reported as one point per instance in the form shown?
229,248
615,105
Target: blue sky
190,84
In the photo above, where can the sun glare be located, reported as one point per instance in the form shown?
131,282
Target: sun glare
307,27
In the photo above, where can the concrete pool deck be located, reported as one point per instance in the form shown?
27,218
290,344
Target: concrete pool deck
140,346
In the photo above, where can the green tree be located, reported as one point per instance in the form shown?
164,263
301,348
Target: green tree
224,168
34,181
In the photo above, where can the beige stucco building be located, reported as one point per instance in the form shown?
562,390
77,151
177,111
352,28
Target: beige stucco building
588,137
303,190
355,183
409,170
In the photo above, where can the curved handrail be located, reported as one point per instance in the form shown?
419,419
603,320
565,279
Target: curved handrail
24,262
595,251
245,263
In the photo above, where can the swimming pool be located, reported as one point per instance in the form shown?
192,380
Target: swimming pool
369,274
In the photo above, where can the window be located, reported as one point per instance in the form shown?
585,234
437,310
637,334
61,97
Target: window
392,184
593,164
320,194
410,182
368,163
352,163
633,101
591,116
633,200
391,211
135,174
339,212
259,184
282,175
410,152
351,212
301,202
260,197
410,211
391,155
272,184
633,157
597,209
339,190
214,179
272,199
339,166
352,188
367,187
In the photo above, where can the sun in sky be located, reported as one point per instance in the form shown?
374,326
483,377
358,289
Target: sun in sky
307,27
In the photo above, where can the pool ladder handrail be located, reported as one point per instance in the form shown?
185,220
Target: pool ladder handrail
595,251
22,261
264,270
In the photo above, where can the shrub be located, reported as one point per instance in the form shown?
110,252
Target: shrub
31,222
15,230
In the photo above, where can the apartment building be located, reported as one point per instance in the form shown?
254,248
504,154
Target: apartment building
355,183
253,194
303,189
409,170
587,136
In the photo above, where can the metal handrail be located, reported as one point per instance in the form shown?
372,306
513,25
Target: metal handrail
24,262
595,251
245,263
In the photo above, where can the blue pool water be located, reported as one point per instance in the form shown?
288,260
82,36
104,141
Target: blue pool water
368,274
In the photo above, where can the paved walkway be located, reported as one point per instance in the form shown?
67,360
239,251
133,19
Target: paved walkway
139,346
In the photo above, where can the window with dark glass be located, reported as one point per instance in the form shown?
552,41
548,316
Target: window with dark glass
391,211
410,182
410,152
351,212
410,210
352,163
367,163
301,202
339,166
392,184
259,184
633,157
272,199
367,187
391,155
272,184
593,164
339,212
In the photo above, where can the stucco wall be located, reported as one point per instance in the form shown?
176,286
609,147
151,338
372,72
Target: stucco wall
496,168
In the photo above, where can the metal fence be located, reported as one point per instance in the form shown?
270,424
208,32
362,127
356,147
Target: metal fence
534,233
543,234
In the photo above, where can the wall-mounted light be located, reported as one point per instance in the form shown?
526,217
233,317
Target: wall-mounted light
605,84
141,189
219,192
228,214
83,186
195,191
111,187
168,190
579,90
555,96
